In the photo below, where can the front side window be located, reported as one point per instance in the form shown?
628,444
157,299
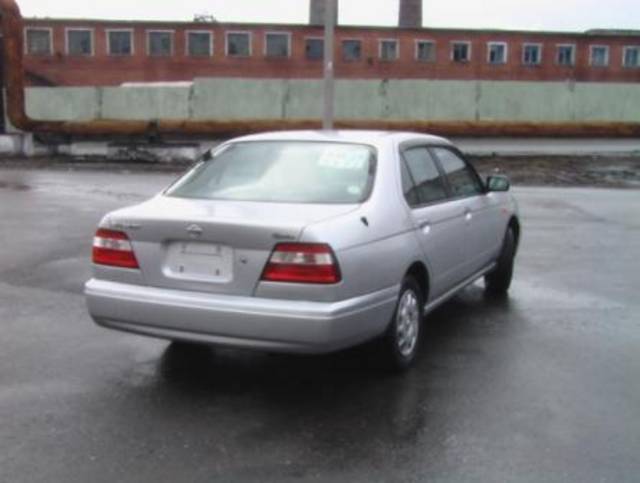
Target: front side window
461,51
497,53
599,55
278,45
314,49
39,41
388,50
566,55
462,178
631,56
283,172
79,42
120,42
531,54
425,184
351,50
200,44
239,44
160,44
426,51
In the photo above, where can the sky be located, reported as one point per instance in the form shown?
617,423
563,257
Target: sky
572,15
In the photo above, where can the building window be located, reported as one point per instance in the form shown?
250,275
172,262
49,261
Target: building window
425,51
566,55
277,44
461,51
599,56
389,50
199,44
531,54
351,50
38,41
79,42
120,42
238,44
497,52
160,43
314,49
631,56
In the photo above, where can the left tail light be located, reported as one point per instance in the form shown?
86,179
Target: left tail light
113,248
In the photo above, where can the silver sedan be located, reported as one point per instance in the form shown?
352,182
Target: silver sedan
306,242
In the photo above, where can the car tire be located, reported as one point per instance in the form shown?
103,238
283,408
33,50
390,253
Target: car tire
498,281
402,339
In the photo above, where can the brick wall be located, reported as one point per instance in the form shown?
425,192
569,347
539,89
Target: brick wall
104,70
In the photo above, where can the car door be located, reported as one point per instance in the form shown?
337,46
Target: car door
481,211
438,221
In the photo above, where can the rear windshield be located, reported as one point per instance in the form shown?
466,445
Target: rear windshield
282,171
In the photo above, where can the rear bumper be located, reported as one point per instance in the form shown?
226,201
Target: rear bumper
246,322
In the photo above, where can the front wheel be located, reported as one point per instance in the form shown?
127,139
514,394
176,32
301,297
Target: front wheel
498,281
403,336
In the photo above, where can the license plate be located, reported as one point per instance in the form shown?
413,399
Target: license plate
207,262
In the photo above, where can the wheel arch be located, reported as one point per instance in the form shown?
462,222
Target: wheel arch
514,224
420,273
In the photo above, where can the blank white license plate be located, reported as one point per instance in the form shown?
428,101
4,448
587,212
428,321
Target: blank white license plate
200,261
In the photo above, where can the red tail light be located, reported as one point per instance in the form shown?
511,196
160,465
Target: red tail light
114,249
302,263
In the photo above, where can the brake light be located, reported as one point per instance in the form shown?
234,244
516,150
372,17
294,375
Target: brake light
113,248
302,263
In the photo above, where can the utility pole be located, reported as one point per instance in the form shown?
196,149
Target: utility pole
329,72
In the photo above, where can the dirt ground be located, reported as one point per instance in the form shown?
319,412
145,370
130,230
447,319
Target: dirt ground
592,171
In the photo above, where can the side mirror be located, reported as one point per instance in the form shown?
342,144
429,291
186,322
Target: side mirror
498,182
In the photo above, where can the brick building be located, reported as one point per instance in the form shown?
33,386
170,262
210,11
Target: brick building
61,52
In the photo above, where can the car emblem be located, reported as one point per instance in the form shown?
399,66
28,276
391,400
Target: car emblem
195,231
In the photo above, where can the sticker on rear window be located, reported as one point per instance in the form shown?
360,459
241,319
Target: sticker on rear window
344,157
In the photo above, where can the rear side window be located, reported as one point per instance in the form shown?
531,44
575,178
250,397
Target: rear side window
283,171
424,184
462,179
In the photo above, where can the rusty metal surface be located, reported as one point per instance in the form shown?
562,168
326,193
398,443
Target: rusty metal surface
12,28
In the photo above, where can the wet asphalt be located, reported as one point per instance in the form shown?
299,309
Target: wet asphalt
543,386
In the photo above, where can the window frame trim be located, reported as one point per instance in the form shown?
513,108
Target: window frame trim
408,145
417,43
469,45
351,39
397,49
49,31
187,43
289,36
313,37
607,57
248,33
540,47
147,34
130,31
574,52
91,30
626,48
504,44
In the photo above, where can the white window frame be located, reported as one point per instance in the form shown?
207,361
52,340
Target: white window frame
147,36
505,59
453,43
187,43
607,56
624,56
49,30
316,37
396,42
573,55
91,30
351,39
289,43
417,50
131,31
532,44
235,32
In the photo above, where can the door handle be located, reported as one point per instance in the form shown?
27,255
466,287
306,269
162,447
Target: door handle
468,215
425,227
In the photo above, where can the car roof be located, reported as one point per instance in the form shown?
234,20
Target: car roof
350,136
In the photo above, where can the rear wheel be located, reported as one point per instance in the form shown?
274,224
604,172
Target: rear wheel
498,281
403,337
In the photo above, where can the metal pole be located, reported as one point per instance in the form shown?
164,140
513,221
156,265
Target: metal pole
329,74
